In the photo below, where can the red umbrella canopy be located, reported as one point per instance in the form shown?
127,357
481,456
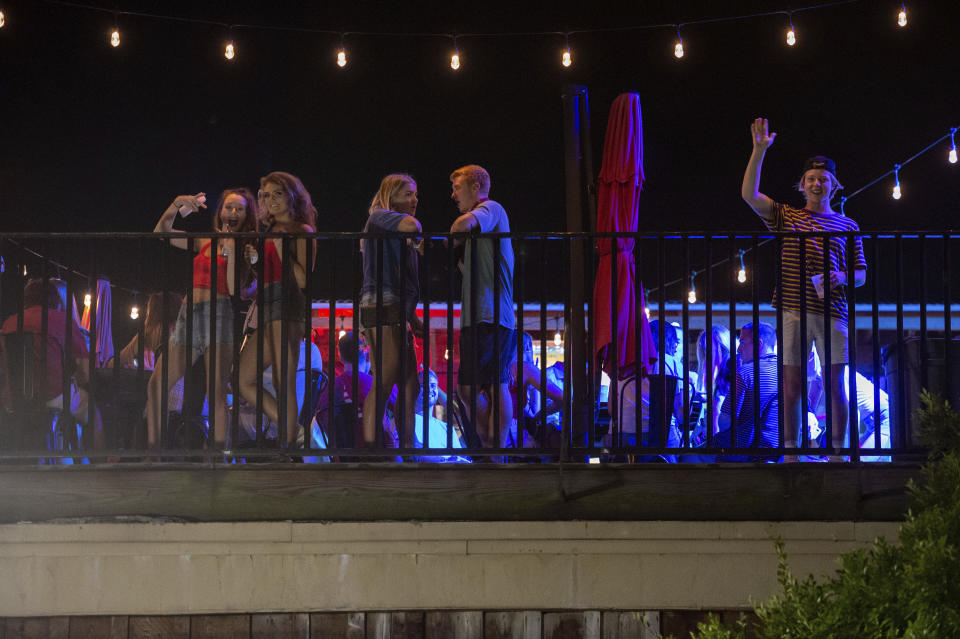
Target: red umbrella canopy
614,292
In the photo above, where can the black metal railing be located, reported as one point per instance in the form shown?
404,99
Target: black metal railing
899,337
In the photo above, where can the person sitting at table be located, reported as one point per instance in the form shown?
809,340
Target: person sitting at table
49,359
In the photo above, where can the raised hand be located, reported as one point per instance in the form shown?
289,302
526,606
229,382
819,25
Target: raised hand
760,132
190,203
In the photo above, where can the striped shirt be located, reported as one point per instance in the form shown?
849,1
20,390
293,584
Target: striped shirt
789,219
769,404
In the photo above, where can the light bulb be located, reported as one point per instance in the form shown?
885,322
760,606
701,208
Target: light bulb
87,299
558,339
134,312
742,275
678,49
646,311
24,270
341,58
952,156
342,333
896,191
3,19
902,17
566,60
115,38
692,296
455,61
228,52
446,354
791,37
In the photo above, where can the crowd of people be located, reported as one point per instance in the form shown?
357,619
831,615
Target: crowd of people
274,327
741,410
496,396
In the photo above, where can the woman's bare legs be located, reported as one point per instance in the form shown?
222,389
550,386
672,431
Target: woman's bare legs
272,353
286,379
389,353
250,376
176,365
221,375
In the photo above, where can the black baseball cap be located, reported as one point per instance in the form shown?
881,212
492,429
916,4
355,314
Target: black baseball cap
820,162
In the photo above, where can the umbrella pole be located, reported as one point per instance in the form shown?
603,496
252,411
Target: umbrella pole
578,175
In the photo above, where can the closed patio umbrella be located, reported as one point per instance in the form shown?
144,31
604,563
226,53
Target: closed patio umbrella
620,182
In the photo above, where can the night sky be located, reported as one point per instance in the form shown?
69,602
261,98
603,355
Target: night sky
101,139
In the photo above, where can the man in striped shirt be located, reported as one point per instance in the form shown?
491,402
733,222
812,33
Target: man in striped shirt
742,424
804,282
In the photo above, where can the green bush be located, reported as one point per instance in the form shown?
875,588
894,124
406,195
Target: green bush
911,590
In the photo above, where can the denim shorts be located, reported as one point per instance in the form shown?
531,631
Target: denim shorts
201,325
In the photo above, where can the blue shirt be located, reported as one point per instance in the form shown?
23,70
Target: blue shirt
494,277
398,261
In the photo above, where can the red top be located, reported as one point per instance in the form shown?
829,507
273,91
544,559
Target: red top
201,271
272,268
54,351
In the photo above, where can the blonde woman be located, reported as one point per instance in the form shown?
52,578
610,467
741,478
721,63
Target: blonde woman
720,366
390,273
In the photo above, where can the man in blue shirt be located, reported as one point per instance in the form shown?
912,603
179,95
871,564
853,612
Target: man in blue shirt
486,292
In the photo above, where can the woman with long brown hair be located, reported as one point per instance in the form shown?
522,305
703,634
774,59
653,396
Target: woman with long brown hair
235,213
285,207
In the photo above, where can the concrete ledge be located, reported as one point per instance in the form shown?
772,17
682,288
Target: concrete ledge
215,568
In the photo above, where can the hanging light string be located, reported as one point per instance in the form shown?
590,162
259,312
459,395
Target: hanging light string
951,157
62,268
950,134
678,49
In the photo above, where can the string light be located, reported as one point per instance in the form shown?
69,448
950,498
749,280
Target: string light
87,300
134,312
791,35
566,59
446,354
455,58
896,181
558,336
342,332
678,46
115,34
902,16
24,270
692,295
229,51
341,54
742,273
646,311
952,156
